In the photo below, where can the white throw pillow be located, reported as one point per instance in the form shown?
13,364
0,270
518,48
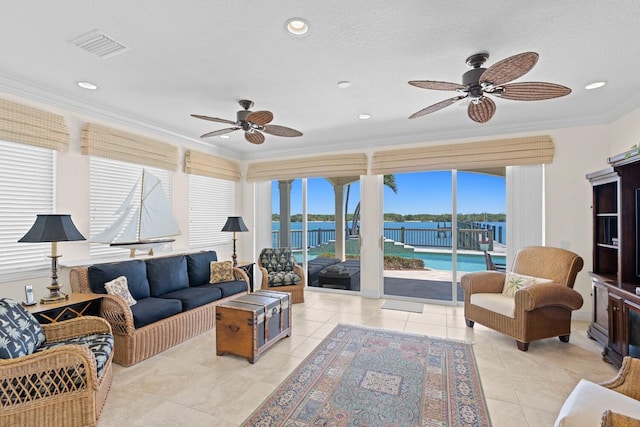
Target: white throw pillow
514,281
119,287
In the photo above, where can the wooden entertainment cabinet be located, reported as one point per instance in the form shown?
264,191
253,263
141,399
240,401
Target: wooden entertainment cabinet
616,271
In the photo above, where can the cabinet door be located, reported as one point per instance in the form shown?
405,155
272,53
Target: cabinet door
599,327
616,324
632,328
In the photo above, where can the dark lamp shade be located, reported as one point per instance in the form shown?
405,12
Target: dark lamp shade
234,223
52,228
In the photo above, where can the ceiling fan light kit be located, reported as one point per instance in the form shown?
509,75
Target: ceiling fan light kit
479,82
253,123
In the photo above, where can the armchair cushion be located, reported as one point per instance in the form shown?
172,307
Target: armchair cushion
495,302
587,402
101,345
514,281
284,278
20,332
276,260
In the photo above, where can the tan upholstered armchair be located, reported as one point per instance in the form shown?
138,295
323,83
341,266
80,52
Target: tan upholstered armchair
541,301
280,272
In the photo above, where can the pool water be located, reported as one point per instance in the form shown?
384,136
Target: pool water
465,262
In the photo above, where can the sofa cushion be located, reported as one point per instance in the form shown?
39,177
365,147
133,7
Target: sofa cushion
135,272
119,287
195,296
101,345
149,310
588,401
20,334
198,267
167,274
221,271
231,288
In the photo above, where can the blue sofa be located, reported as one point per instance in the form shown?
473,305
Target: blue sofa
174,300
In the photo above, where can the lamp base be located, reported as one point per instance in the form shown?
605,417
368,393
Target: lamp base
54,296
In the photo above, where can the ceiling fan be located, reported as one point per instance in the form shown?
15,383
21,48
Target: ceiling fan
479,82
253,123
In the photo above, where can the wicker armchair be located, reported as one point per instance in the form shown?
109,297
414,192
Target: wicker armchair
281,272
540,310
60,382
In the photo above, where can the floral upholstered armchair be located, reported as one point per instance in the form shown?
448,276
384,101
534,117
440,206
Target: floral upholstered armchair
280,272
56,374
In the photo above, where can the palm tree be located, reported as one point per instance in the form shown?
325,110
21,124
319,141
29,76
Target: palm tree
388,181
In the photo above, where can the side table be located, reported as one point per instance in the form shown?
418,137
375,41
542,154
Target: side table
247,266
77,305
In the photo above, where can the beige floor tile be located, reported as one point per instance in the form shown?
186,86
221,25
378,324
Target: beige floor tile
190,385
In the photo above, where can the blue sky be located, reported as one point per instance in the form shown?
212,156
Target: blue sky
424,192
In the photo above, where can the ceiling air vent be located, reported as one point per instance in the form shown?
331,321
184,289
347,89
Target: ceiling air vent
99,44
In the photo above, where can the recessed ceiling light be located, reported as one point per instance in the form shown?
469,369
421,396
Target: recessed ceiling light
344,84
225,136
297,27
364,116
87,85
595,85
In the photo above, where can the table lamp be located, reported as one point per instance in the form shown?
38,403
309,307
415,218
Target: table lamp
235,224
53,228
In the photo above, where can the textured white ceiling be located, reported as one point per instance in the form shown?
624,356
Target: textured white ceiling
201,57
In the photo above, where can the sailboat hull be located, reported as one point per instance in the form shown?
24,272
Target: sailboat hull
143,244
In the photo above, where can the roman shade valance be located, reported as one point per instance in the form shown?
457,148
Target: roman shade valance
198,163
126,147
27,125
308,167
467,156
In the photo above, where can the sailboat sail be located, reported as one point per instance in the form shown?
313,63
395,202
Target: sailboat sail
152,221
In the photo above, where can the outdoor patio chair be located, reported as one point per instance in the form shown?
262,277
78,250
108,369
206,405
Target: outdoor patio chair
532,302
493,266
281,272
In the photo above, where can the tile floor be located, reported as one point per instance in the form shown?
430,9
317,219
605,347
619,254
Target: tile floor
189,385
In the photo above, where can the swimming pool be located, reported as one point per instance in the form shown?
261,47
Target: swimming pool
442,260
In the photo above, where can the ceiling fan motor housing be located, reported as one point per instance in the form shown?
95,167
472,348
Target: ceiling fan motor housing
471,79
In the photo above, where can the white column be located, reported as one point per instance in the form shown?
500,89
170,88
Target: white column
340,226
371,232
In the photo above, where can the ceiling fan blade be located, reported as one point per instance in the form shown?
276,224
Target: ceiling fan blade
219,132
214,119
435,85
260,117
281,131
254,137
435,107
482,111
533,91
509,68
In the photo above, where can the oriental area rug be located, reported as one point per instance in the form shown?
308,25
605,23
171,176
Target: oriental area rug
359,376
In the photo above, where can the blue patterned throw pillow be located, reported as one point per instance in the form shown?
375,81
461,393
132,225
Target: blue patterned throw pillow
20,332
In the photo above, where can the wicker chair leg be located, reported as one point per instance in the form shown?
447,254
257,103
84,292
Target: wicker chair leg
564,338
522,346
469,323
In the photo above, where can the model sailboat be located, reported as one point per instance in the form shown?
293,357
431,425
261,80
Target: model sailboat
151,225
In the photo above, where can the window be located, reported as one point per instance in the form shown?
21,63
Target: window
27,174
211,201
110,181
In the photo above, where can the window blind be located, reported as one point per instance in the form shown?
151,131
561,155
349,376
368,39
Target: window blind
110,181
211,201
203,164
126,147
353,164
466,156
27,174
26,125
